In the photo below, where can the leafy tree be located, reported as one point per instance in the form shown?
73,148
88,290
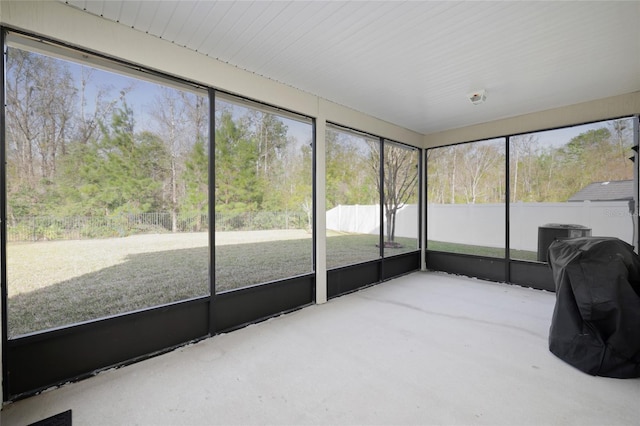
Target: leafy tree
301,187
196,176
276,154
591,156
348,171
120,172
269,135
539,172
622,137
238,187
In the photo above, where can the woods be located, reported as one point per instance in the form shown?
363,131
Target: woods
261,164
540,171
82,142
74,146
86,143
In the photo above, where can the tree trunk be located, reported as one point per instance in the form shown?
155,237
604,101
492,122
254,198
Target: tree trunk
174,196
453,178
392,237
515,178
390,224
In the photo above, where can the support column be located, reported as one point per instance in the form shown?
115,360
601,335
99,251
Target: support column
422,209
320,206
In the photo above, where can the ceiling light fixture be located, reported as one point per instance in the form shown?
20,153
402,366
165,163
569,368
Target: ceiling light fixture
478,97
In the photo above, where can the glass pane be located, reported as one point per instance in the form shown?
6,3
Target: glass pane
107,193
263,166
465,199
401,218
353,198
570,182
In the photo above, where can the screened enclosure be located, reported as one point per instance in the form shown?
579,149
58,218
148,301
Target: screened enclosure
106,191
151,210
500,203
264,194
373,208
154,198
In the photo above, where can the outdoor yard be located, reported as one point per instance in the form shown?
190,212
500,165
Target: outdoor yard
56,283
480,250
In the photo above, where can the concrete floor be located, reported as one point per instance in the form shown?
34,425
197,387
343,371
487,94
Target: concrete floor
426,348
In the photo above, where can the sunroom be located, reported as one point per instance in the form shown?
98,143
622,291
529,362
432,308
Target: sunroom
178,170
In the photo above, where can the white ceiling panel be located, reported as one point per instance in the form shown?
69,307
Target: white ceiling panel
142,18
111,9
411,63
163,17
181,19
129,13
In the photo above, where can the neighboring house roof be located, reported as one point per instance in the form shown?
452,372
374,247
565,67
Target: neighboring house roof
605,191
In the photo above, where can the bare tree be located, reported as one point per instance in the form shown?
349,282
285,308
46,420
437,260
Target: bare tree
23,127
479,159
523,156
441,166
269,133
88,119
170,113
622,137
400,170
56,106
182,120
40,109
454,164
197,114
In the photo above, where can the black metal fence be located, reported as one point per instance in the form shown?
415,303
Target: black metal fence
46,228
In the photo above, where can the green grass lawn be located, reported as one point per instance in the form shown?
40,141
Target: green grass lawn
348,249
56,283
480,250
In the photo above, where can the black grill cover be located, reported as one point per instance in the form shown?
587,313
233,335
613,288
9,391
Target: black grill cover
596,320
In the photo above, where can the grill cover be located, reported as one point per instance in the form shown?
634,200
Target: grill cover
596,320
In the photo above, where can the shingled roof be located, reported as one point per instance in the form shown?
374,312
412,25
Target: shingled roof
605,191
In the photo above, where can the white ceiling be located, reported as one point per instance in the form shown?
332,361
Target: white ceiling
411,63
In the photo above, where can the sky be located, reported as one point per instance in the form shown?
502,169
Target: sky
559,137
142,99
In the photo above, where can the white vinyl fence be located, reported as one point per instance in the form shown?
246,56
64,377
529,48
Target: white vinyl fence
484,224
365,220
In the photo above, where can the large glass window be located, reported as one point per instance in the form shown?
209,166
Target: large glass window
570,182
352,197
107,191
264,196
401,194
465,199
